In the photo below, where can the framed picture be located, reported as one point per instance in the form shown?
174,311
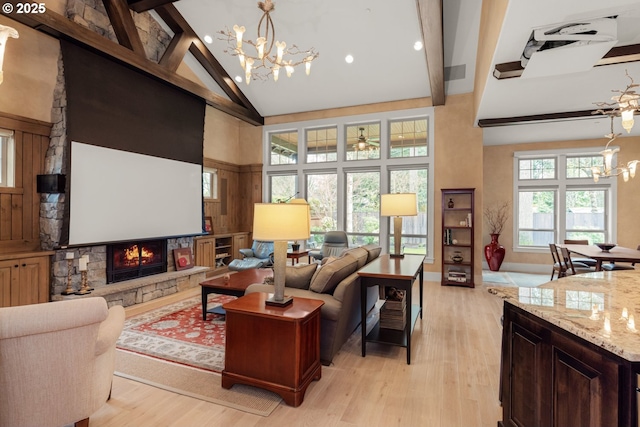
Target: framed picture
208,225
183,258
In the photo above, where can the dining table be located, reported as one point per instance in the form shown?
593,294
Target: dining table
615,254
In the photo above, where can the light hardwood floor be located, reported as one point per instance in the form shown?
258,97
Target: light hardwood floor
452,380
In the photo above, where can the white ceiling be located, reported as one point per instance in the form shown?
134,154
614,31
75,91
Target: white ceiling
380,35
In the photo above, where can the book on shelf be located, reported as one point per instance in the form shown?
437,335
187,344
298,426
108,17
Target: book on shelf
448,238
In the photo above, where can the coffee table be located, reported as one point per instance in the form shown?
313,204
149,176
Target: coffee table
295,256
275,348
237,284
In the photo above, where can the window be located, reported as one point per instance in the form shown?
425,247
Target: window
283,188
414,228
537,168
7,159
322,145
284,148
557,199
408,138
342,180
363,142
362,208
210,183
322,196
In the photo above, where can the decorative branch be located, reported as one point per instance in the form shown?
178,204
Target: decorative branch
496,217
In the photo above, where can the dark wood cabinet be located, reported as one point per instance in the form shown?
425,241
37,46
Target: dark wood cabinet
458,223
553,378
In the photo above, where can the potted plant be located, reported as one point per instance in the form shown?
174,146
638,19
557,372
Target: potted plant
496,217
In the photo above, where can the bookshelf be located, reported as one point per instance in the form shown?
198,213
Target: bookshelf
458,223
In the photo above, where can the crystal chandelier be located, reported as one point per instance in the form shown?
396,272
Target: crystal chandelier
262,63
629,170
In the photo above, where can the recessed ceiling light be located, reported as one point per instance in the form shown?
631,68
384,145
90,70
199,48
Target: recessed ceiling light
349,59
417,45
208,39
238,79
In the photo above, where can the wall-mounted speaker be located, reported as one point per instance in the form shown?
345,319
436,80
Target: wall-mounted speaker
50,183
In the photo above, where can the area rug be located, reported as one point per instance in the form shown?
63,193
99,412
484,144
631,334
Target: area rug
176,332
513,279
193,382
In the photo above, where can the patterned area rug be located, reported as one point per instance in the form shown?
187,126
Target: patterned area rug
177,333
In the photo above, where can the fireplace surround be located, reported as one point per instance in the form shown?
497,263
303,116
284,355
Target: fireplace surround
131,260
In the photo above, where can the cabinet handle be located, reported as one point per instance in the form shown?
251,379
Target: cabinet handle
24,265
16,266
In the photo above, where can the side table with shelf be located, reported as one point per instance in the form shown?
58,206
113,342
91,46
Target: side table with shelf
400,273
458,223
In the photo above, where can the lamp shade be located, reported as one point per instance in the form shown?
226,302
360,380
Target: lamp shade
398,204
281,221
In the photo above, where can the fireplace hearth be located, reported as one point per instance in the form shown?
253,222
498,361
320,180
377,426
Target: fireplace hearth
131,260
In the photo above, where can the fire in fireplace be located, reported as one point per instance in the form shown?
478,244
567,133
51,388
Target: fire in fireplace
136,259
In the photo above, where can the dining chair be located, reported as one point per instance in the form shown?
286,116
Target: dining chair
612,266
572,267
588,261
557,264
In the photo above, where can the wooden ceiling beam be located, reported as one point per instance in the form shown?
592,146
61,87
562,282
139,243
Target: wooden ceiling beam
145,5
123,25
58,26
177,23
617,55
177,49
430,16
547,117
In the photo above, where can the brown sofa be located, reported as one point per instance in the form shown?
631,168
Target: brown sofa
337,283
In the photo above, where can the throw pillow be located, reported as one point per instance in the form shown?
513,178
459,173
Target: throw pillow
299,276
332,273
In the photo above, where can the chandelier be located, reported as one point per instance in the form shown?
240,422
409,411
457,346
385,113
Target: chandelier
629,170
263,63
625,104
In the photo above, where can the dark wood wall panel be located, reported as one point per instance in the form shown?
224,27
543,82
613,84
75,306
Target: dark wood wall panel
20,206
233,211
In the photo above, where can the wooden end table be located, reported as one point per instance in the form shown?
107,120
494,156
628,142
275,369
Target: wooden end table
295,256
399,273
274,348
237,284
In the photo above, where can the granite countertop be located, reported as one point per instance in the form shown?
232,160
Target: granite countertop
602,308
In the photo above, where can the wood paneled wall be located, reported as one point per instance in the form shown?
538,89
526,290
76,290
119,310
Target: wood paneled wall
239,187
20,205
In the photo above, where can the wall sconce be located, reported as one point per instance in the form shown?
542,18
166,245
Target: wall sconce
5,33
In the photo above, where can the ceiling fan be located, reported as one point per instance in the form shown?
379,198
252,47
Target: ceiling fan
365,143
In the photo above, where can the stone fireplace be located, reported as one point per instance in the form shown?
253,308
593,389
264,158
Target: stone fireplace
131,260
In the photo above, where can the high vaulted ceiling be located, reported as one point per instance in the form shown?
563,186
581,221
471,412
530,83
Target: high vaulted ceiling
380,35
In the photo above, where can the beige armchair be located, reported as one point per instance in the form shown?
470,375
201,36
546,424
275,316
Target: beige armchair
56,361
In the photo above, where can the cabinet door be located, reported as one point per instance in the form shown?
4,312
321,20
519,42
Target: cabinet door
240,241
7,277
585,388
33,287
205,252
526,402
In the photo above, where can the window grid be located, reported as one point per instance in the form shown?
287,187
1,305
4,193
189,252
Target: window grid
322,145
284,148
408,138
568,206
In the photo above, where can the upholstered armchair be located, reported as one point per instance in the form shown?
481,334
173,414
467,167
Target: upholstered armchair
258,256
57,361
335,242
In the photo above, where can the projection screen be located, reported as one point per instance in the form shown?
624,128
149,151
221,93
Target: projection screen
119,196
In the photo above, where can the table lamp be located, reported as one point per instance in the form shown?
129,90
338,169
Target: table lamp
398,205
279,223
